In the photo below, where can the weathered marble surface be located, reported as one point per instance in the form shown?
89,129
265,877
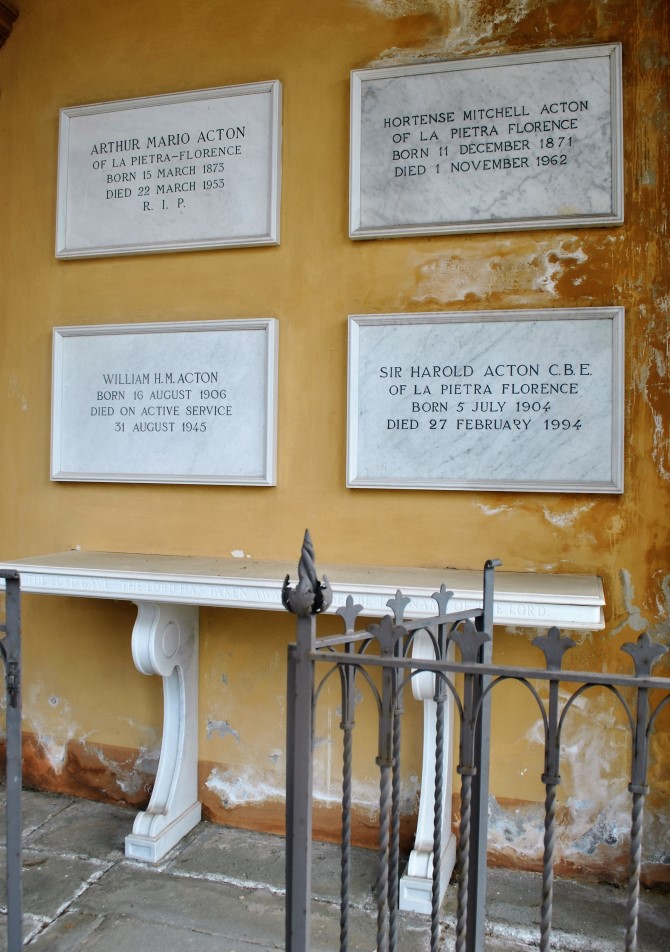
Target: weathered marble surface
167,173
183,402
518,400
513,141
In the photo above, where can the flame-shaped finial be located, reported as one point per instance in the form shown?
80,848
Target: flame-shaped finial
310,596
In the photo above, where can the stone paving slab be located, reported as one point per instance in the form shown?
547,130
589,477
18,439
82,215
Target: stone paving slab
585,916
50,881
223,889
129,935
216,908
249,857
70,932
36,809
232,912
84,828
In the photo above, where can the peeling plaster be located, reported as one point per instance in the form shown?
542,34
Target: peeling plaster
519,828
552,262
365,794
593,804
565,519
661,630
62,730
54,736
661,443
130,778
393,9
634,618
650,381
15,392
513,269
461,27
222,728
493,510
242,785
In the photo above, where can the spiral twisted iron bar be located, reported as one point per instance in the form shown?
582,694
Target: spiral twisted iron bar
346,838
633,904
440,698
463,863
347,676
10,648
546,910
383,858
394,853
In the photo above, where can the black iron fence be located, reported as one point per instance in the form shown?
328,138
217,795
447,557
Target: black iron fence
10,649
387,647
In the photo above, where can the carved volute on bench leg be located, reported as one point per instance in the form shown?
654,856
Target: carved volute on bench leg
165,642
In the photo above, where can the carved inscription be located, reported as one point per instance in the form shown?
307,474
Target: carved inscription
166,169
169,172
165,402
470,145
507,400
161,401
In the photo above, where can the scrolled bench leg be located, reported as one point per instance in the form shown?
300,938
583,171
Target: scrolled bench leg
417,881
165,642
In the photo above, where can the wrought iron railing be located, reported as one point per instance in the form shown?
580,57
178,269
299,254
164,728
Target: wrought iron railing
387,646
10,649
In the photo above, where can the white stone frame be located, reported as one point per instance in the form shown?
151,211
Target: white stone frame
486,220
263,472
357,445
75,172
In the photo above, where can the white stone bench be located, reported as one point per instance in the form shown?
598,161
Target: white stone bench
168,591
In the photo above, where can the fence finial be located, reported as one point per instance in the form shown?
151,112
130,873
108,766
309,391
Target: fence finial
310,596
644,653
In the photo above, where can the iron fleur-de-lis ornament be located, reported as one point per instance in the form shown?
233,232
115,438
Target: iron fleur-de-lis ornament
644,653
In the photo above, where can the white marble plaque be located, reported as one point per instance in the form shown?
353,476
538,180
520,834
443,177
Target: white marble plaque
529,140
170,173
166,403
526,401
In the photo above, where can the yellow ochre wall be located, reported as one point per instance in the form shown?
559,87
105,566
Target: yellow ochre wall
92,721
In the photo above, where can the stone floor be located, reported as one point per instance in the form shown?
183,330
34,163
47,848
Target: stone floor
223,889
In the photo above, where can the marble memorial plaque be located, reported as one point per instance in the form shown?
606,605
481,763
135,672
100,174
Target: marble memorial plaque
528,140
526,401
170,173
185,402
